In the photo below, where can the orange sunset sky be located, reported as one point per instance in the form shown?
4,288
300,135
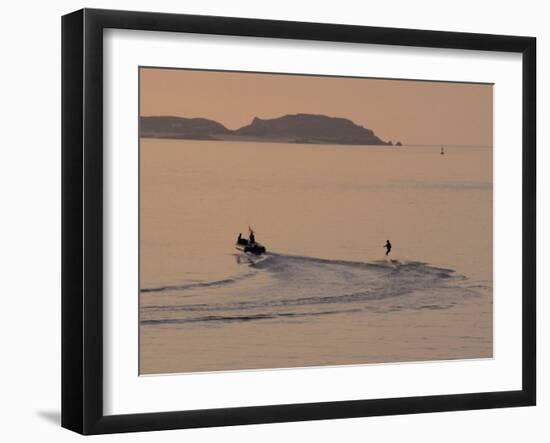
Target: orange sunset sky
414,112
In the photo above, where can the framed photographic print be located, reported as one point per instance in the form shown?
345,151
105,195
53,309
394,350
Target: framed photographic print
269,221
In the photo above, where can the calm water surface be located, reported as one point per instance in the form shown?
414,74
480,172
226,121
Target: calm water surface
325,294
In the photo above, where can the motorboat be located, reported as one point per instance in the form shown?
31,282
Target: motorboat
246,246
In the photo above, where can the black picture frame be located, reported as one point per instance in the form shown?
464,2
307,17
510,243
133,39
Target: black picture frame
82,221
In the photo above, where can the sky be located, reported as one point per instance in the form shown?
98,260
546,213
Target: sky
413,112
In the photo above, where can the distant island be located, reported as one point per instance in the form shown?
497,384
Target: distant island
292,128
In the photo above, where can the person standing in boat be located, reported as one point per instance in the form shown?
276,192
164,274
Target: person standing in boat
251,237
388,247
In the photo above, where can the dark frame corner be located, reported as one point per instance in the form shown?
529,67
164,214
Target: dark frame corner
82,236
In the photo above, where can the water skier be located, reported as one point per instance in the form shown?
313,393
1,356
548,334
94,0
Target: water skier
388,247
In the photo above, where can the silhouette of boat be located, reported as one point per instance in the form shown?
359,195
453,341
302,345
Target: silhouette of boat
243,245
442,150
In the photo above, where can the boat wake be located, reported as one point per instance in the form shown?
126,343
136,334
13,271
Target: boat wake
279,287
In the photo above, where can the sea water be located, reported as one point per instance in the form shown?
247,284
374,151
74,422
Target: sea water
325,293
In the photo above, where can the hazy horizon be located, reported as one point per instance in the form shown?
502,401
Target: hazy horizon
413,112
